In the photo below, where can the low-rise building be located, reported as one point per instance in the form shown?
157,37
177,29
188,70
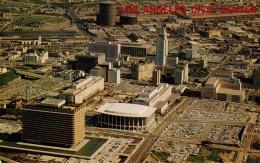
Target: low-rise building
180,89
223,74
72,74
36,58
83,89
223,89
157,97
126,116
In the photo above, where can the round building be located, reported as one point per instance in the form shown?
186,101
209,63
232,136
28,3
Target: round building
107,13
127,116
128,19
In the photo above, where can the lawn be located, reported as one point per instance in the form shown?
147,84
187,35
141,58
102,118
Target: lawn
92,146
7,77
162,156
252,160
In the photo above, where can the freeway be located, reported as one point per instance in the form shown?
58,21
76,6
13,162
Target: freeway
30,74
74,19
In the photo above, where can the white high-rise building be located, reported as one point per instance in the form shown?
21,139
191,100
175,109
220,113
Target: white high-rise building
161,48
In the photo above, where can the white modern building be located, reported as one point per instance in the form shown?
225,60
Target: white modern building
83,89
36,58
126,116
161,48
158,97
31,58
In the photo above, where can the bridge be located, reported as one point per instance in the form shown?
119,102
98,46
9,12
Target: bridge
30,74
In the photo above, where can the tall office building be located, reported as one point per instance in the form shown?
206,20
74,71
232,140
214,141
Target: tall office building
161,48
185,68
179,76
52,122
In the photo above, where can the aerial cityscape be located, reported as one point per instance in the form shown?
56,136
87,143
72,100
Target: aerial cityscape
114,81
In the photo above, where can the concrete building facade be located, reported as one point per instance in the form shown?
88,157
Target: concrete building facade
142,71
223,89
114,76
112,51
135,49
53,123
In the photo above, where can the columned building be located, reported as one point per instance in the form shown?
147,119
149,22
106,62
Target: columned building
127,116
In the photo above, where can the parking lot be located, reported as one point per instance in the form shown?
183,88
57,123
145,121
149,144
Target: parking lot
178,151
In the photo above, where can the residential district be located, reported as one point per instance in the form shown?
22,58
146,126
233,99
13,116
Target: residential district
81,81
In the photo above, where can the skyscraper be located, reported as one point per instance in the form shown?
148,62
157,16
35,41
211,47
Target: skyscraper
179,76
182,73
161,48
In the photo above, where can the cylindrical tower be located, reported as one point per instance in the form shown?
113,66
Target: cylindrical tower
128,19
107,11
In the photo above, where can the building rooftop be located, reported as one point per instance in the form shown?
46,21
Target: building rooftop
231,92
180,87
53,102
211,81
127,110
